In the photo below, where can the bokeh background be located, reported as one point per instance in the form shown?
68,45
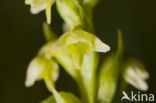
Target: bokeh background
21,36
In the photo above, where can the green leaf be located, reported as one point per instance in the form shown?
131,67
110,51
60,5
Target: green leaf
69,98
120,49
109,73
88,73
108,79
50,99
62,97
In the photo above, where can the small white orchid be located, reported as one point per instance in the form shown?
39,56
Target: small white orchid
135,74
79,43
40,5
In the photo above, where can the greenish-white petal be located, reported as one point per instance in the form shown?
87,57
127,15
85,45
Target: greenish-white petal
82,36
99,46
35,69
41,68
37,5
36,8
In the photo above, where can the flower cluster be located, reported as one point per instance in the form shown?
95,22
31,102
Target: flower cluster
76,51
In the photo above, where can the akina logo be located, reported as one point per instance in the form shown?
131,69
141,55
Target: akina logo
137,97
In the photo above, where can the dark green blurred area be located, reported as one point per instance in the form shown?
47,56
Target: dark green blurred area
21,36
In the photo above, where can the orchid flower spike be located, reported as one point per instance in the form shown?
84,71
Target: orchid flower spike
135,74
79,43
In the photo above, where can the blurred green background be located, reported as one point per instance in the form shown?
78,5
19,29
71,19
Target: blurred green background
21,37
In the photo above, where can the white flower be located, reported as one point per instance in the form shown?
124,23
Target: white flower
79,43
41,68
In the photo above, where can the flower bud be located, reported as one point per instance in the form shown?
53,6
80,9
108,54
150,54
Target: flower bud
135,74
71,11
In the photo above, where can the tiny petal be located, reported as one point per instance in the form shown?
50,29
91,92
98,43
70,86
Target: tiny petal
100,46
35,9
35,69
28,1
